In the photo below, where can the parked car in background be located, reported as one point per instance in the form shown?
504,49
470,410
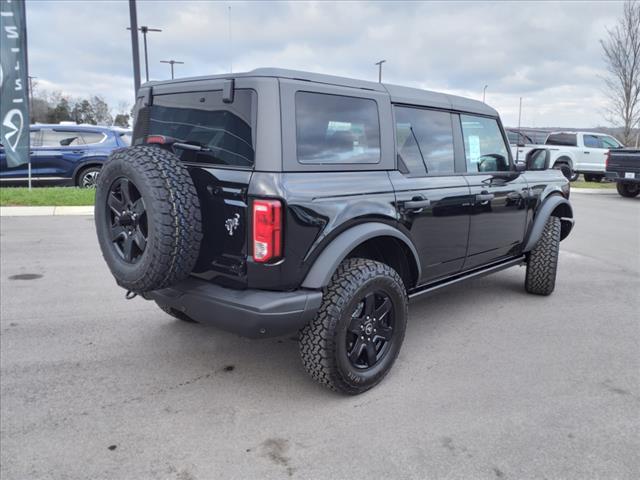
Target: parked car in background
582,152
66,154
623,167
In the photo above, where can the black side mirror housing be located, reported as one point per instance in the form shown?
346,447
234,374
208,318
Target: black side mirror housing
537,159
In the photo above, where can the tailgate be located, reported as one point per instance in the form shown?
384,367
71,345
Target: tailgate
223,204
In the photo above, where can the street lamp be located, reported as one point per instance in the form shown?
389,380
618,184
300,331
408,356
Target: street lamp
380,70
484,93
172,63
144,29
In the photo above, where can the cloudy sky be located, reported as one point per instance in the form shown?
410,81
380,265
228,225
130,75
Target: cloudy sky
546,52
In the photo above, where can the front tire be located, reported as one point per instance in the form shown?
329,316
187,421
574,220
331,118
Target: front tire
357,333
628,190
543,260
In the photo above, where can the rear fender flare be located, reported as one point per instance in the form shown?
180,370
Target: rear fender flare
555,205
564,157
327,262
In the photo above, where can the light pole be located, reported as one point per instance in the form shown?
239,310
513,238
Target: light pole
31,97
484,93
172,63
144,29
380,70
135,49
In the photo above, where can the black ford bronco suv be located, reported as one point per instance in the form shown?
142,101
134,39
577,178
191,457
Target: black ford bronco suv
278,201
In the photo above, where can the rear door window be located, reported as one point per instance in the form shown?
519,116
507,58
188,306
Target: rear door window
484,146
60,138
562,139
224,130
336,129
424,140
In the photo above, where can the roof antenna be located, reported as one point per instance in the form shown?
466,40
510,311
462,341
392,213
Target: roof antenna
380,70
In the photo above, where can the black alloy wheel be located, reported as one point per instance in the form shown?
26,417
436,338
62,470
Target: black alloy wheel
127,218
370,331
355,337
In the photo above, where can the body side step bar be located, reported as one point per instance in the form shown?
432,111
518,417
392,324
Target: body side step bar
477,273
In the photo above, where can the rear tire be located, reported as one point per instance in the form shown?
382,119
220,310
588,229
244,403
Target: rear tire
628,190
357,333
543,260
88,177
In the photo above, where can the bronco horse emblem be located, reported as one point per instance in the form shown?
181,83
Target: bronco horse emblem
232,223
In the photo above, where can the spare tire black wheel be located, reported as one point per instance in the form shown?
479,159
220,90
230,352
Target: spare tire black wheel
147,216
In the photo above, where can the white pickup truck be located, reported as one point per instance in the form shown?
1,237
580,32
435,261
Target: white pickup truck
582,152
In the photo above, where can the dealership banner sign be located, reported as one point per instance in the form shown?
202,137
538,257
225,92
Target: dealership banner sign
14,81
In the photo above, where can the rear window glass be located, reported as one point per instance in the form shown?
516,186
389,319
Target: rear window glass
60,138
224,130
564,139
334,129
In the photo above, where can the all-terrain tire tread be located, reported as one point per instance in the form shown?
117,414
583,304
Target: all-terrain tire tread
543,260
177,224
317,339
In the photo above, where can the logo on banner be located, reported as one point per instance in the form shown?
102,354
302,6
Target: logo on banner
14,121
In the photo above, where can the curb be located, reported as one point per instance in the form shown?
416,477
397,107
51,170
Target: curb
596,191
45,211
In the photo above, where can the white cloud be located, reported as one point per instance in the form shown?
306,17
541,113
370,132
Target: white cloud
546,52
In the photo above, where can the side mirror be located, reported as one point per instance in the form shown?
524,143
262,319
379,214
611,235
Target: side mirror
520,145
538,159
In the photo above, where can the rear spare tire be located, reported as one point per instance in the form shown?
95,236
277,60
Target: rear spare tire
147,216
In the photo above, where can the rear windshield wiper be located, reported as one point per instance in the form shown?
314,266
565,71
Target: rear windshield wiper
190,146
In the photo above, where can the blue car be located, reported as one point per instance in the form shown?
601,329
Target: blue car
66,154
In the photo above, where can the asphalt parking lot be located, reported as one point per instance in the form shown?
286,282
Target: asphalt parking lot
491,382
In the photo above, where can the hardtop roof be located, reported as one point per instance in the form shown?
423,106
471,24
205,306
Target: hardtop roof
398,94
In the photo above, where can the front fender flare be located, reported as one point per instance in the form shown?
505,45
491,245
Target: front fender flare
328,261
548,207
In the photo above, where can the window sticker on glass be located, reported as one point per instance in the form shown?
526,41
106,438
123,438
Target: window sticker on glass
474,148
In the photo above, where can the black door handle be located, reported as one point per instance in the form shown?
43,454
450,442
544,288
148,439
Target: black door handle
417,203
484,197
587,153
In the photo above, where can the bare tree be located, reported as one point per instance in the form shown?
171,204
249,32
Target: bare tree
621,51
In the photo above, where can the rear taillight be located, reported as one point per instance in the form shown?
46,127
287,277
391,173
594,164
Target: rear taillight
267,230
157,139
607,156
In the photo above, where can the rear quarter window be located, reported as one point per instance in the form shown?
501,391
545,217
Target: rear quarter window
336,129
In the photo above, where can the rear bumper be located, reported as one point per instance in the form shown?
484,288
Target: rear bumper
621,177
250,313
